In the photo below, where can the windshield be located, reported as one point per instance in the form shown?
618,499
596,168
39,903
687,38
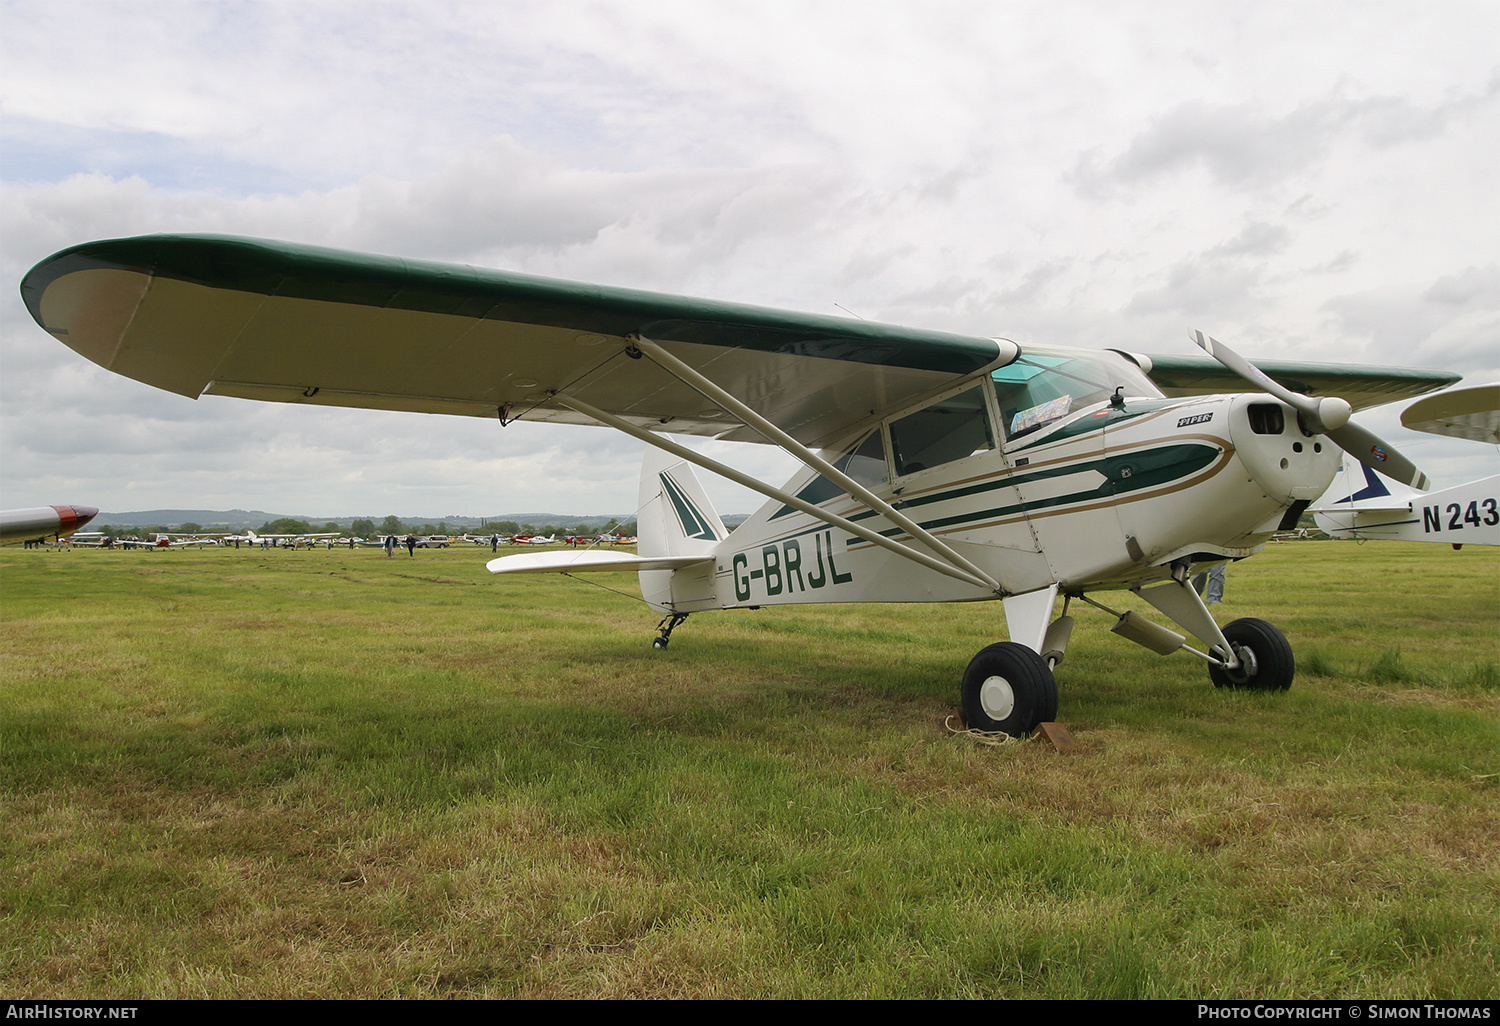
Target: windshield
1037,389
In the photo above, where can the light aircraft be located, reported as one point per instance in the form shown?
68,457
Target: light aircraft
162,541
42,523
138,543
285,541
487,539
175,540
1466,514
937,466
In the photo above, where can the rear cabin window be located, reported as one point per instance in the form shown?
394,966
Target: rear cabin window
866,464
948,430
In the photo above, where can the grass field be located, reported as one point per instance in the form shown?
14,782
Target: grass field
321,774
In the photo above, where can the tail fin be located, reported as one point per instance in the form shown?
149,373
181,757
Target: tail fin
1374,487
675,518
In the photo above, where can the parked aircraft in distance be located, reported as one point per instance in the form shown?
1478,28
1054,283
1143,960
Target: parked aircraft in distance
1466,514
280,541
42,523
178,540
937,466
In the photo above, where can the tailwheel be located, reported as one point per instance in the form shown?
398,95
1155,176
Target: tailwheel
1266,662
1008,689
665,629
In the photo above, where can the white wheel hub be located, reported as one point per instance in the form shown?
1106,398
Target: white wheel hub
997,698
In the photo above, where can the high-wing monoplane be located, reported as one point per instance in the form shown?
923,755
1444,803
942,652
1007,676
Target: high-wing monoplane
1467,514
42,523
937,466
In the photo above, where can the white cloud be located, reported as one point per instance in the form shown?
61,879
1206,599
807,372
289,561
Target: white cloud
1296,178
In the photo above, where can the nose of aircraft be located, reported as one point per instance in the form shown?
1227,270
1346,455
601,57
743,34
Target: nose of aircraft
1286,461
71,518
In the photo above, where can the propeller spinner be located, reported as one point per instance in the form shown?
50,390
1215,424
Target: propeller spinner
1327,415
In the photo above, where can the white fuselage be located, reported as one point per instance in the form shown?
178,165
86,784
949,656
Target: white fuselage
1104,496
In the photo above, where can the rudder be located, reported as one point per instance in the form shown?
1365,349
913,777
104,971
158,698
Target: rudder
674,518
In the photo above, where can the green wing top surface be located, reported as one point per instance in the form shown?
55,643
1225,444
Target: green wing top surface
1362,385
221,315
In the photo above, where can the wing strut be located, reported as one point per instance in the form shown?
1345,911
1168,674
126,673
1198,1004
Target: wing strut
703,385
739,477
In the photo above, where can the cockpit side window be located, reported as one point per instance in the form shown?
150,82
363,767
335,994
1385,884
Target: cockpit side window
950,429
1037,389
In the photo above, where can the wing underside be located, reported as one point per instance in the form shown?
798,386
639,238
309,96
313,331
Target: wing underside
212,315
1470,412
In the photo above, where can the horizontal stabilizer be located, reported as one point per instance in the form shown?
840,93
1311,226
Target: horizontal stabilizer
585,561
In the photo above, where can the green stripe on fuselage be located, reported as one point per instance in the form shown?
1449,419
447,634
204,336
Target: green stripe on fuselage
820,489
1124,474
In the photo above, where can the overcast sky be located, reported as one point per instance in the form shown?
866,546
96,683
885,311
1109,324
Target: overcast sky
1303,180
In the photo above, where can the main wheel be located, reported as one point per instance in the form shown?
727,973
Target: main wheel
1008,689
1265,654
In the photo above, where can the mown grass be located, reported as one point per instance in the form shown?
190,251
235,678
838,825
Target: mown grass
289,774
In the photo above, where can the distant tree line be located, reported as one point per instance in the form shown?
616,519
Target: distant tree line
286,525
365,528
394,525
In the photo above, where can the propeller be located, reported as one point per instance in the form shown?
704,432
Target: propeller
1328,415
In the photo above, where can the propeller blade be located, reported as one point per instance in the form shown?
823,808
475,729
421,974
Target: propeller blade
1323,416
1373,453
1328,415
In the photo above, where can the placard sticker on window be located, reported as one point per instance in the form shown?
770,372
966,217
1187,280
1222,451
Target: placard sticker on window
1025,420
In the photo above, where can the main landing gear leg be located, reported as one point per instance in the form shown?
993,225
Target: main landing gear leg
1248,653
665,629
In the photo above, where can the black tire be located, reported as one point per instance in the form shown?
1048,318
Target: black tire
1008,689
1267,653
